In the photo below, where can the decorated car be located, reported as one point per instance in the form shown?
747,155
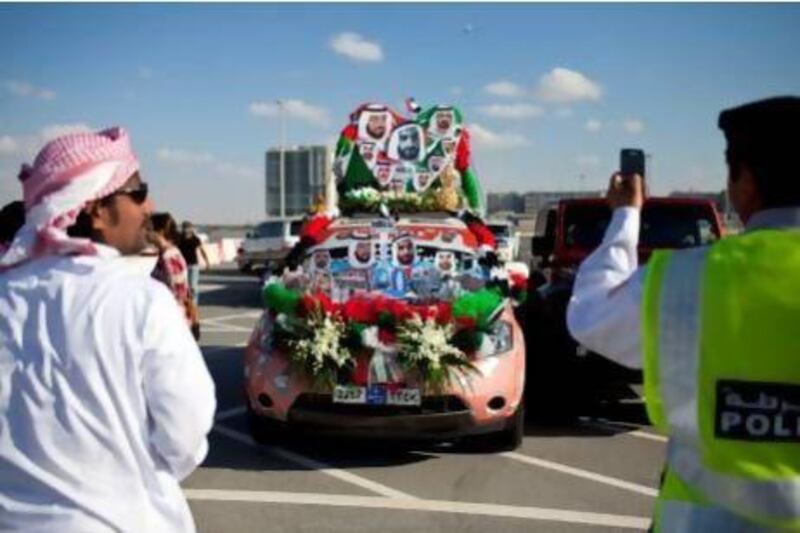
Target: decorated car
393,317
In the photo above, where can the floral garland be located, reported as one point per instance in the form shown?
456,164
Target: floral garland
370,200
317,348
425,347
321,337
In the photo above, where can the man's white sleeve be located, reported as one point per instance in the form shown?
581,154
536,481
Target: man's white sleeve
604,311
178,388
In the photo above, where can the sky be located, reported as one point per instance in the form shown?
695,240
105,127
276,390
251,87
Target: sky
550,92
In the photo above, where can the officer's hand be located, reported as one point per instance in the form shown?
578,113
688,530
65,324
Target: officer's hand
625,191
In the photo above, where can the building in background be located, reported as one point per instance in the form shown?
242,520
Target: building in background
507,202
306,169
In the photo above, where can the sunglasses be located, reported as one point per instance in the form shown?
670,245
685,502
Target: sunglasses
138,194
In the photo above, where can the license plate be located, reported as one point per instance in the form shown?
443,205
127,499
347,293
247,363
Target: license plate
376,395
346,394
404,397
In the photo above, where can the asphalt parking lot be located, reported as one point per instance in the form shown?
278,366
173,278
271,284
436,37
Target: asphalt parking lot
598,475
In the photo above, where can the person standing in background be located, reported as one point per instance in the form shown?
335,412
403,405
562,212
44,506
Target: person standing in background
171,268
189,244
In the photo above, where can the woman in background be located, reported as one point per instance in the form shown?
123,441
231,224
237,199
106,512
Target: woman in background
171,267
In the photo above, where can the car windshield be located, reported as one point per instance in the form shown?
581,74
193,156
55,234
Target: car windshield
500,230
268,230
663,226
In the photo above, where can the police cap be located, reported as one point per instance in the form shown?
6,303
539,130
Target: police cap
764,128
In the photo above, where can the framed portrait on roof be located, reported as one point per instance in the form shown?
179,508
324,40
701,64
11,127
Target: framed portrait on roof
383,173
436,163
422,180
375,125
449,145
443,123
406,143
368,152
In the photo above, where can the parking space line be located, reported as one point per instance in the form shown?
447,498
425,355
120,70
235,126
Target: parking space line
616,426
313,464
230,413
215,328
585,474
217,349
227,327
249,314
406,504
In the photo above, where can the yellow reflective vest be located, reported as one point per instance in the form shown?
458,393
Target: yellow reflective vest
721,342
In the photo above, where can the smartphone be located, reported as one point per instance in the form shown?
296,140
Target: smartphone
631,161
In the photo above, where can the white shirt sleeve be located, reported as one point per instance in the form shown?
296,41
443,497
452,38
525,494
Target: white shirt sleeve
178,388
604,311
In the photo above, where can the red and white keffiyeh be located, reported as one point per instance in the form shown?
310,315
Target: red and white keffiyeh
68,172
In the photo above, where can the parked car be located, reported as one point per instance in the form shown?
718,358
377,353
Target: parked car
267,245
505,234
564,378
487,405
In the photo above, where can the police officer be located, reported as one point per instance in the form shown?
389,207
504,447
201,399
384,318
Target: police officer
717,332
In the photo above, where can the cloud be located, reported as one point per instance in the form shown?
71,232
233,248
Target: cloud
356,47
511,111
206,160
587,160
25,89
633,125
26,146
504,88
564,112
593,125
48,133
8,145
494,140
237,171
173,155
562,85
456,90
294,109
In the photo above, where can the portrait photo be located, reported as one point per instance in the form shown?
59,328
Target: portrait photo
374,126
405,143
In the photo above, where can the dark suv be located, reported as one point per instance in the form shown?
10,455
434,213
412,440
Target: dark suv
564,379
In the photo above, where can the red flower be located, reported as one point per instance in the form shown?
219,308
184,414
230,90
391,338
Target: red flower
444,313
360,310
400,310
466,322
318,302
386,336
